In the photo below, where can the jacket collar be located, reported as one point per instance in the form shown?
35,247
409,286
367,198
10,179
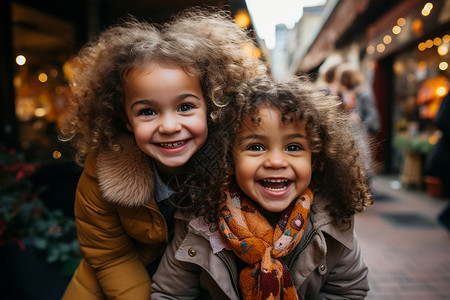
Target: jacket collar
322,221
126,176
319,217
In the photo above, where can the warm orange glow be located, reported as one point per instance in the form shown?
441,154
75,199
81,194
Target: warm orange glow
429,43
427,9
242,18
417,26
252,50
371,65
441,91
430,94
56,154
401,21
433,139
42,77
437,41
422,65
446,38
422,46
256,52
428,6
399,68
381,48
387,39
442,50
370,50
443,66
396,29
40,112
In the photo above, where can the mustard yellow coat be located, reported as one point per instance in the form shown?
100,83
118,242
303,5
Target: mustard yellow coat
120,229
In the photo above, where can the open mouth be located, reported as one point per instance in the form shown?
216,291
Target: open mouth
275,184
173,145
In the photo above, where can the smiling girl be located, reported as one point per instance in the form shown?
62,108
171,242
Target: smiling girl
144,103
284,210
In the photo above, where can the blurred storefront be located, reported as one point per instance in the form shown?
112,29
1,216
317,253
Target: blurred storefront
416,38
43,46
402,47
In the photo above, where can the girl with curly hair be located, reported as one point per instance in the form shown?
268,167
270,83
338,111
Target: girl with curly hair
280,224
145,100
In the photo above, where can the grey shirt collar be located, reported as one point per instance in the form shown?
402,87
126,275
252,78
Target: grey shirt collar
161,191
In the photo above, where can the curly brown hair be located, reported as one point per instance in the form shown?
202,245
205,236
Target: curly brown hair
204,42
337,157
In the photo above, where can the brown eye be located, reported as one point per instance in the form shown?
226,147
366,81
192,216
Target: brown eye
185,107
146,112
255,147
294,148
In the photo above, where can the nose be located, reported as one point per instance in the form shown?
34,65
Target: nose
169,124
275,160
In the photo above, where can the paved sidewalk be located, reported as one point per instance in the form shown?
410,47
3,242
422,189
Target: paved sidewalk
406,249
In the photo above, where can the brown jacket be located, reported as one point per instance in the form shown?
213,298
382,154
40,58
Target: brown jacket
120,229
327,263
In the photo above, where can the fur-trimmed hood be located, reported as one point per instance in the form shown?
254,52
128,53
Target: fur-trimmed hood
125,177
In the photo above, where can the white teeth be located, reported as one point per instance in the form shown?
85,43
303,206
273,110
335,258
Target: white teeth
172,145
276,190
272,180
275,180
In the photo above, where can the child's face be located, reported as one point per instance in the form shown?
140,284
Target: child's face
166,112
272,160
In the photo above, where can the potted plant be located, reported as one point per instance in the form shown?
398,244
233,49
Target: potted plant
32,235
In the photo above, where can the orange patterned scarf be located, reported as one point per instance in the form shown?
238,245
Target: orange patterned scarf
258,244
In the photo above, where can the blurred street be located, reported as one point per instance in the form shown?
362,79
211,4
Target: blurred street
406,249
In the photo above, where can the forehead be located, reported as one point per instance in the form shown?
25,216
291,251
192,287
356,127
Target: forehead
268,116
152,64
155,74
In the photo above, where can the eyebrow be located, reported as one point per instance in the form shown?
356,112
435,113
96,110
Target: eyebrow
179,98
258,136
249,137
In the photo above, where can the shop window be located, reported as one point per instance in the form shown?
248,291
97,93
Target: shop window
421,81
43,47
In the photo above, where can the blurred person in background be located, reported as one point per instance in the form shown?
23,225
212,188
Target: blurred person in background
358,99
348,84
330,79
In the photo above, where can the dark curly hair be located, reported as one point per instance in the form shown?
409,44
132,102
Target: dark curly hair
204,42
337,157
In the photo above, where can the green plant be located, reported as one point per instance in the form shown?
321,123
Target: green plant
414,144
23,215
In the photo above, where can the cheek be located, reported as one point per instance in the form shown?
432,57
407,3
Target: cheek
199,127
244,169
307,173
141,132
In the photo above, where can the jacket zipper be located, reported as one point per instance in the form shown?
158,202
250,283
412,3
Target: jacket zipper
308,240
233,278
